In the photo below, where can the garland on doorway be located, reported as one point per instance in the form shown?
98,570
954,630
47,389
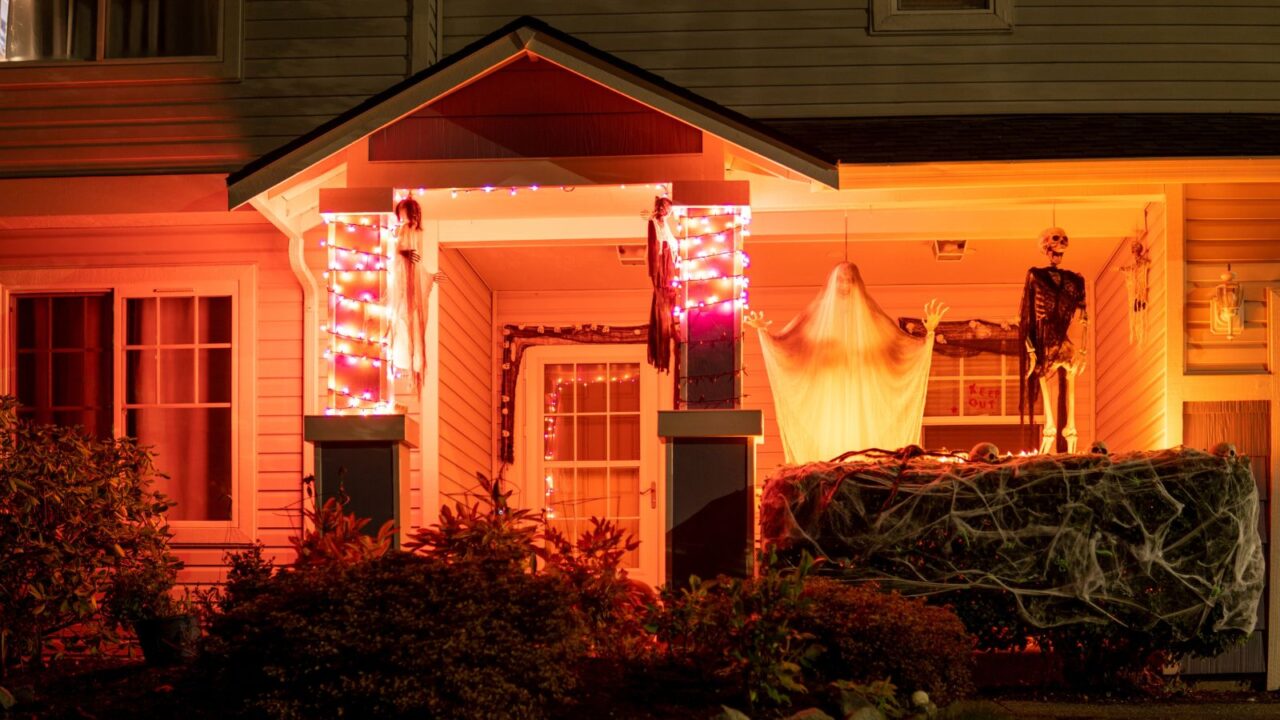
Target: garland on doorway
516,339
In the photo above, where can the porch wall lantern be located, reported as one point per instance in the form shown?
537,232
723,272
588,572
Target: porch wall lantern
1226,314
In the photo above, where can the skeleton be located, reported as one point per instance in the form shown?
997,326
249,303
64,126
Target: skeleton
1053,325
1137,284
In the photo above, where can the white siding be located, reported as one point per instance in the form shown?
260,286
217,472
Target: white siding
815,58
1132,379
1236,224
466,377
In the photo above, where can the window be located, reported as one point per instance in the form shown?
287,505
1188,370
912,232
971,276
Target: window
62,359
973,399
119,39
168,366
889,16
177,387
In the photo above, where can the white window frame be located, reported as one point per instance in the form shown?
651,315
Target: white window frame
962,419
224,66
886,17
238,282
652,482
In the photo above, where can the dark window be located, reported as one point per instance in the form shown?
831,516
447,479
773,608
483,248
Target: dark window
69,29
942,5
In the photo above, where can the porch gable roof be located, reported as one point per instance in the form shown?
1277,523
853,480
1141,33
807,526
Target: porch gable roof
523,36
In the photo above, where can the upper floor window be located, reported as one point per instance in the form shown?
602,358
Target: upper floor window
118,39
889,16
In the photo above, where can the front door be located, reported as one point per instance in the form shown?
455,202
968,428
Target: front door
591,444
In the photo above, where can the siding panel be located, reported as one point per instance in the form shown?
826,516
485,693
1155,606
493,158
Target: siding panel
1131,390
815,58
466,377
1237,224
304,62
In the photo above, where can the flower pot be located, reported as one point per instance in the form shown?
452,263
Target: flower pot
168,640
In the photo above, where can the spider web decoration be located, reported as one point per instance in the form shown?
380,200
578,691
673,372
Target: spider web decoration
1164,542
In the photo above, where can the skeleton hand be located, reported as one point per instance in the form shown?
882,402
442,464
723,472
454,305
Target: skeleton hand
411,255
440,277
933,312
756,320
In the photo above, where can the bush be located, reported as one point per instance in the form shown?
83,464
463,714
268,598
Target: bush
738,636
72,508
398,636
611,605
869,635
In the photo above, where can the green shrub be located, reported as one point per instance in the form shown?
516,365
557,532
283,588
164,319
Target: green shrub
738,635
398,636
611,605
869,635
72,508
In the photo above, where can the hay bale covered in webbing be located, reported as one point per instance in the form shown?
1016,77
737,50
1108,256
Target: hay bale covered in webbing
1166,538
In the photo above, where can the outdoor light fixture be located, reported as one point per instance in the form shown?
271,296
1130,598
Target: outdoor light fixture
1225,315
949,250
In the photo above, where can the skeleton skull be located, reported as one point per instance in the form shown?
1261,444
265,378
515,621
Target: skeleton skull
1099,448
984,452
1053,242
1225,450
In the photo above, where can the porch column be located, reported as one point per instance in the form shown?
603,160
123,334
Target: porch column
710,443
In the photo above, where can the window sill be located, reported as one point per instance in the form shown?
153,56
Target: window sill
139,71
887,19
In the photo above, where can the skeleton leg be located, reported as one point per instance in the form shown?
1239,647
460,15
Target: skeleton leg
1069,429
1049,396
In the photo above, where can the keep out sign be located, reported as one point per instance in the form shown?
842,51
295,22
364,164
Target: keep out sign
981,399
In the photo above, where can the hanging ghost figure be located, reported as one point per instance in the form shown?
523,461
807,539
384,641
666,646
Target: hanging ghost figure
844,376
409,286
1053,325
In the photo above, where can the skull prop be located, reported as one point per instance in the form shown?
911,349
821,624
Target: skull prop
1099,448
985,452
1225,450
1053,242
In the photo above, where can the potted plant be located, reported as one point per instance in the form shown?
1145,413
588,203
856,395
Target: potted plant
141,595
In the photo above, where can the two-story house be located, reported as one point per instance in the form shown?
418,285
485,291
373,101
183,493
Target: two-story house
182,188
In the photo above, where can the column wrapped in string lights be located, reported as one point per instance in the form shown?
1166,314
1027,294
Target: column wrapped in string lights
711,268
361,379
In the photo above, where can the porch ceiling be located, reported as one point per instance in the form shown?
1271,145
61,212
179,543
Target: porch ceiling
991,261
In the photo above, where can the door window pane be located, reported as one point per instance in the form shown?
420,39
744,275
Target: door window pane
624,387
592,438
593,387
177,321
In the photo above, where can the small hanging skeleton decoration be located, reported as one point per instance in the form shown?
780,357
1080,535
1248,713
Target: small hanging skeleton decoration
1053,325
1137,285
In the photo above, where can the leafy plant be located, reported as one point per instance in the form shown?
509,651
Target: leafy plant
332,536
739,632
142,589
870,636
71,509
248,574
487,530
404,635
611,604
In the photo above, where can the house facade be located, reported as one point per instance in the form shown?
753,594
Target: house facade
172,199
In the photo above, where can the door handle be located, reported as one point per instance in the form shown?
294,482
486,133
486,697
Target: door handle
652,492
